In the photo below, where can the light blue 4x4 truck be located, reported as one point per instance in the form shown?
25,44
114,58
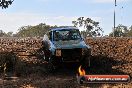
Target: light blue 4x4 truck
65,45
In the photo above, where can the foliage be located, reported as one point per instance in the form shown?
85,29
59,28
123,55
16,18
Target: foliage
121,31
2,33
40,29
91,26
5,3
33,31
129,34
9,34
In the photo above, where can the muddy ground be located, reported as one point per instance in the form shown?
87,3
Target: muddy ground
109,56
36,75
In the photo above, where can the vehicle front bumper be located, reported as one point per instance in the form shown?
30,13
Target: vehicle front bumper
72,55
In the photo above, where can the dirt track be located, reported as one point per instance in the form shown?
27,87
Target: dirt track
64,77
107,59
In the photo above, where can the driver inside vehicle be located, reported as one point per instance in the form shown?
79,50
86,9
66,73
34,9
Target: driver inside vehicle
57,35
70,35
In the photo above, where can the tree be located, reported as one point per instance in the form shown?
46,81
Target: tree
33,31
120,31
2,34
5,3
9,34
130,32
91,26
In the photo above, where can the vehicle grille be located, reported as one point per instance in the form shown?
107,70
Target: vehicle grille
71,54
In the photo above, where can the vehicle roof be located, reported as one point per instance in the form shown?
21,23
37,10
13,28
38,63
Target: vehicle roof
67,28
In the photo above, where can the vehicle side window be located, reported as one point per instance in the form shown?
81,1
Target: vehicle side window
57,36
49,34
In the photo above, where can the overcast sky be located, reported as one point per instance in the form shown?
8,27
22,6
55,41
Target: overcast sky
63,12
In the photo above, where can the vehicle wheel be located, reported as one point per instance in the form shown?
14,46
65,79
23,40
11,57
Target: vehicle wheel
86,62
51,66
46,55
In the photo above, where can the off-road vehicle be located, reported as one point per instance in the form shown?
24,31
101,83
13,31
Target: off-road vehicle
65,45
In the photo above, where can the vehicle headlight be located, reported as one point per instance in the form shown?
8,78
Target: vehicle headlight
58,52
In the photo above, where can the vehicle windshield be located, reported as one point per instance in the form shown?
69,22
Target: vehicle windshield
70,34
